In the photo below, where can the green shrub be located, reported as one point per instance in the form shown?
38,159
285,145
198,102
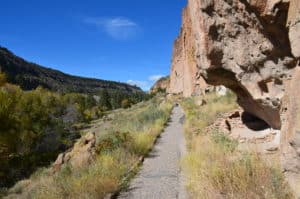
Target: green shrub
29,119
142,143
224,141
118,150
113,141
2,79
125,103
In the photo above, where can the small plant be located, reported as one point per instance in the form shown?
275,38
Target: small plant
142,143
224,141
114,141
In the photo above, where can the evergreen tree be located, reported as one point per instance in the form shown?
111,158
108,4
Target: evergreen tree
90,101
104,101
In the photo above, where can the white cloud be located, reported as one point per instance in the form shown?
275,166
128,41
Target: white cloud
120,28
145,85
142,84
155,78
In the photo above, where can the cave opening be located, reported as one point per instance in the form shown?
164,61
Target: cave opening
254,123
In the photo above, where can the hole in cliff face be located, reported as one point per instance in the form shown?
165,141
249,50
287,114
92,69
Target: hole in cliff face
253,122
278,82
209,10
220,76
216,57
263,87
214,32
278,30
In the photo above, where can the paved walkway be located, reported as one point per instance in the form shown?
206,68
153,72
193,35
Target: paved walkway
160,176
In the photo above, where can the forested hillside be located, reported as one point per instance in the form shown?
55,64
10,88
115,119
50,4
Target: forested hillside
29,76
36,125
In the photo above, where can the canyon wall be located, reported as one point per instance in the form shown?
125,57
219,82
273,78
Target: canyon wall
185,78
251,47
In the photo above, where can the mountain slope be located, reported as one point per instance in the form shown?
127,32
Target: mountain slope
29,76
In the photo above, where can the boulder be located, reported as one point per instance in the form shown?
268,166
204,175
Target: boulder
221,90
82,154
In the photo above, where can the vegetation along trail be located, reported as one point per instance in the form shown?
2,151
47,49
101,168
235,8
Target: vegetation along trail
160,175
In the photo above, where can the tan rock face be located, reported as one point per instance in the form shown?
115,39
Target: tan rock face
184,78
290,140
294,27
162,84
241,44
253,48
82,154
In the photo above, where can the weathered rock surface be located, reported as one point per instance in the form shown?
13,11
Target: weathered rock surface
184,77
82,154
242,45
251,47
290,139
162,85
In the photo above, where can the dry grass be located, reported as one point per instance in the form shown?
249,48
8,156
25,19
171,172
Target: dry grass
131,136
93,182
214,167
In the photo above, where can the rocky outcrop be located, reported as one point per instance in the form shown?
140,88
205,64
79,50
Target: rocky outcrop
185,78
290,139
241,44
162,85
294,27
82,154
252,47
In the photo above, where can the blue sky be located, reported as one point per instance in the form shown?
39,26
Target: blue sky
121,40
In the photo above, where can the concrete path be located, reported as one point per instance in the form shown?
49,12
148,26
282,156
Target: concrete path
160,176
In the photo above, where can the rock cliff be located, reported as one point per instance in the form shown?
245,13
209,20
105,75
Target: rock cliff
185,78
162,85
251,47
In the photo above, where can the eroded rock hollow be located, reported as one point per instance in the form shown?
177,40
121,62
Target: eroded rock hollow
249,46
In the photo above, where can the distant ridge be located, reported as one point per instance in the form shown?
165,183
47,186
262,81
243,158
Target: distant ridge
29,76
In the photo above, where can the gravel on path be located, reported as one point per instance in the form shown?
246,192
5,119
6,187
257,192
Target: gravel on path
160,176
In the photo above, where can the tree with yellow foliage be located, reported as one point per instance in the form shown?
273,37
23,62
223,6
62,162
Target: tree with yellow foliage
2,79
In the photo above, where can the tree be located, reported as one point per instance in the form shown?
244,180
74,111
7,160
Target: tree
2,79
104,101
90,101
125,103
